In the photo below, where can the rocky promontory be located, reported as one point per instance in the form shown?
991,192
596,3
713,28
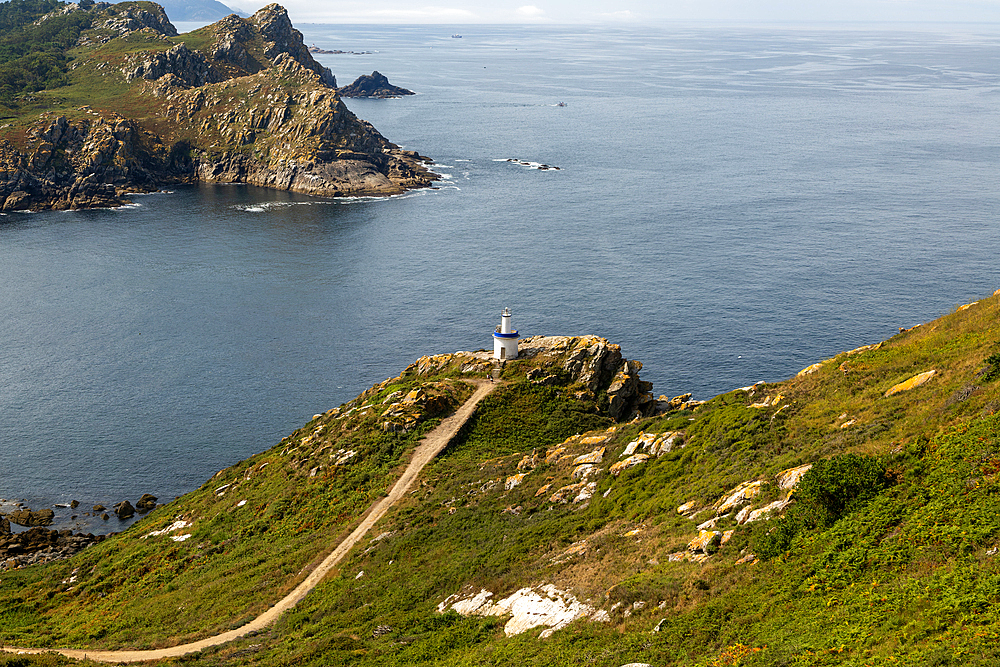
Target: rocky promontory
373,85
241,101
587,368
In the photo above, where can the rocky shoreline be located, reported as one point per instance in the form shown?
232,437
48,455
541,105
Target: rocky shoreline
42,543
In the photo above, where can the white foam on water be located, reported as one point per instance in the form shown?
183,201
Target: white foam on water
540,166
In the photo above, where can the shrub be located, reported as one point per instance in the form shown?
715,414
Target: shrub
837,486
773,538
992,370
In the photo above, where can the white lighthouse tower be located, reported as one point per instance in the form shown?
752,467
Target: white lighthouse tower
505,338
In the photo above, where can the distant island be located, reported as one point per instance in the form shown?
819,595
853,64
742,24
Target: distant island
127,105
316,49
373,85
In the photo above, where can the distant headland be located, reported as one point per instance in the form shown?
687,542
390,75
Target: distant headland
140,107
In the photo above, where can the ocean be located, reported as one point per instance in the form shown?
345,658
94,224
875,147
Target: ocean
730,205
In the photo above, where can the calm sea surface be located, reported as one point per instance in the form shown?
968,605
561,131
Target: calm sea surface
730,206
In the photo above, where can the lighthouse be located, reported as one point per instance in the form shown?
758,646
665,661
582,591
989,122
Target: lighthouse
505,338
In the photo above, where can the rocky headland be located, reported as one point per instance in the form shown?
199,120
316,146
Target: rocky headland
241,101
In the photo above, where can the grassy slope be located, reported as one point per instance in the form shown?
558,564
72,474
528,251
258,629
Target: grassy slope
96,81
93,79
909,578
137,591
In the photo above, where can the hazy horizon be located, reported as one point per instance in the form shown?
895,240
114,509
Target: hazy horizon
636,12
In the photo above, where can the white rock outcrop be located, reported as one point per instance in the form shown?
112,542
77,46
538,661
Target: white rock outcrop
528,608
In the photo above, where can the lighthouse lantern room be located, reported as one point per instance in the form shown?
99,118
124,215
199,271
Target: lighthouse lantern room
505,338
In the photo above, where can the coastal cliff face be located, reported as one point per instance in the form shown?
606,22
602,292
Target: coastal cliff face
240,101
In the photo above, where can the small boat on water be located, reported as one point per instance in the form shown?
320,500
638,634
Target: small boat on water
456,37
561,104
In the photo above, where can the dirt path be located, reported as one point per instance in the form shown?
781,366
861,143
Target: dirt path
429,447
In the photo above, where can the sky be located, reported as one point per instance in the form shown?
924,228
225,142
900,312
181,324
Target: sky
632,11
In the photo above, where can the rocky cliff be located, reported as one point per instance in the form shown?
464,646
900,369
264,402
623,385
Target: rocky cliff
240,101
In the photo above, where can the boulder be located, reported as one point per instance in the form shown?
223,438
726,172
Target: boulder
707,542
25,517
124,510
146,503
594,457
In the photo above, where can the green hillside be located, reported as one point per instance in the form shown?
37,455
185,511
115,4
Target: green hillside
694,536
33,55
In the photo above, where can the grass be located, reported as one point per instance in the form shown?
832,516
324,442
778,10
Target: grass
909,576
254,529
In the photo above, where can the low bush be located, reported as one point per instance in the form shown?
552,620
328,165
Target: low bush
837,486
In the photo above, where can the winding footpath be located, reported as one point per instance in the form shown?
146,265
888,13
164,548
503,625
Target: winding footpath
430,446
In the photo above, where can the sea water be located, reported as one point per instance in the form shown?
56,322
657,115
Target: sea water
730,205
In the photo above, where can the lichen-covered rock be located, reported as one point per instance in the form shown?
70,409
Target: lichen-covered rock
599,366
118,20
749,515
625,464
912,383
280,38
788,479
657,444
739,496
707,542
188,68
595,456
513,481
566,493
588,361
